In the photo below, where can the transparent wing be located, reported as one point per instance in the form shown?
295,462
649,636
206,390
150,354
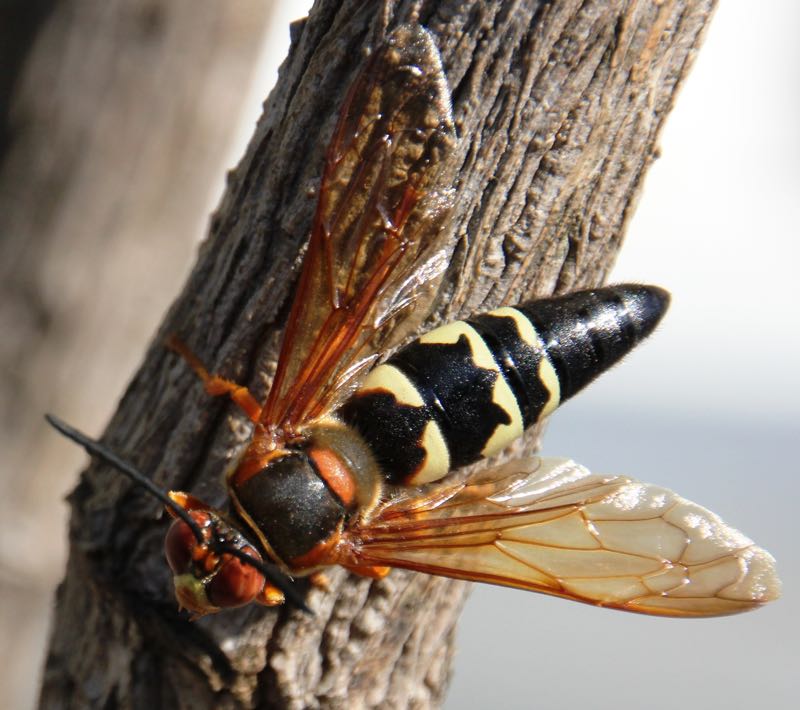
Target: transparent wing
375,245
549,525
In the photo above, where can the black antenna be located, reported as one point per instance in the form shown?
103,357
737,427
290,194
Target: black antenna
95,448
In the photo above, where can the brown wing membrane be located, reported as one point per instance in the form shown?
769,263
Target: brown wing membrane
549,525
375,239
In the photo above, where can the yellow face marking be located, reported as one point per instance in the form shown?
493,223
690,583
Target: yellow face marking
191,594
389,378
547,373
437,456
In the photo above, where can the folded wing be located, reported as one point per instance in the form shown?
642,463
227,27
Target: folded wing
551,526
376,240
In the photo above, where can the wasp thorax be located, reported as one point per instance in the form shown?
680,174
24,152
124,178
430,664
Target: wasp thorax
291,503
205,580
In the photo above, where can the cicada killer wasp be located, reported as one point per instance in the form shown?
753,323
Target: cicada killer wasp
349,459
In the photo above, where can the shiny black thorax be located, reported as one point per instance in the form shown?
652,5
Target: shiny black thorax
289,503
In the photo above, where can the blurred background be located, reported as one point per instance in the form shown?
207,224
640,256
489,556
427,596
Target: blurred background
708,407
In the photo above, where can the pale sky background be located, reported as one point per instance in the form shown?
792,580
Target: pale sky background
708,407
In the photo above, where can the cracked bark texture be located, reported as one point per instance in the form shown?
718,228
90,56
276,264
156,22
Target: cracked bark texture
558,107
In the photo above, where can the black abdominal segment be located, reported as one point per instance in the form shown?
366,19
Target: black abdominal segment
589,331
392,429
518,361
466,390
460,404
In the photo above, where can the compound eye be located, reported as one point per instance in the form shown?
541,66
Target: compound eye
235,583
180,544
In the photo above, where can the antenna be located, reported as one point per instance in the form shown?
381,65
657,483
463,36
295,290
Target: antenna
98,450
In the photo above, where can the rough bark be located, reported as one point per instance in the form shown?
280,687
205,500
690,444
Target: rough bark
558,108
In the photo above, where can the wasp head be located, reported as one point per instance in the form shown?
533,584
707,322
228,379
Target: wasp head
218,571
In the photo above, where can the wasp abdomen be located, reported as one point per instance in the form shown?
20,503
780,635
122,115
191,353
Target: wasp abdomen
587,332
466,390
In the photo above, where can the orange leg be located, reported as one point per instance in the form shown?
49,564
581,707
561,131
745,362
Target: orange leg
270,596
320,581
215,385
371,571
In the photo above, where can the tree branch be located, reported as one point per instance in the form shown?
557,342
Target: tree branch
558,108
